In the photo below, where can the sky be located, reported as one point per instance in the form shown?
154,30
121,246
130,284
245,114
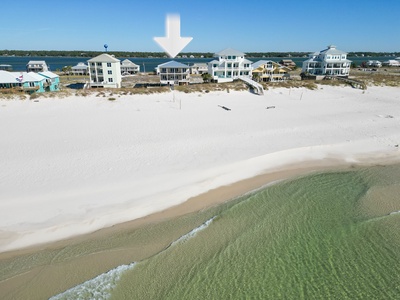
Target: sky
248,26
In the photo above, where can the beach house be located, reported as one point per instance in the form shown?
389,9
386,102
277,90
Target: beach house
29,82
36,66
391,63
105,71
330,61
288,63
80,69
173,72
268,70
5,67
129,68
52,81
229,65
199,68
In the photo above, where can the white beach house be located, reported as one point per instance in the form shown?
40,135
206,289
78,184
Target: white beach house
36,66
80,69
105,71
129,68
330,61
173,72
229,65
199,68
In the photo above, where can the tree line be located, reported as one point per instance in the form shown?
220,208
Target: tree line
81,53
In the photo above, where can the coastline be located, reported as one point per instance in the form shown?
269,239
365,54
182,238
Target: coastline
201,165
51,275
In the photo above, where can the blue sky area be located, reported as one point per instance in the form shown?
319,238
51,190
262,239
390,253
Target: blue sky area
248,26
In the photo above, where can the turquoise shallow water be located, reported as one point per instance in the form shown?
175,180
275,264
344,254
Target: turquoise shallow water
323,236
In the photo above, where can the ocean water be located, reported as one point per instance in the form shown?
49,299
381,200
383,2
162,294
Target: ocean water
332,235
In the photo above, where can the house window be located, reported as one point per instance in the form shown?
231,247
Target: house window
110,80
92,63
109,65
229,65
99,64
109,72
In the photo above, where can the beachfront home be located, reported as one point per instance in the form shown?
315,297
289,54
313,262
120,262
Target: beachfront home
5,67
36,66
173,72
199,68
374,63
330,61
229,65
268,70
391,63
52,81
30,82
80,69
129,68
105,71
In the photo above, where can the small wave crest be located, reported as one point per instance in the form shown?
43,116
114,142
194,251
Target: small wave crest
97,288
193,232
101,286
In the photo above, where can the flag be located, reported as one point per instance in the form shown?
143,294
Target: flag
20,78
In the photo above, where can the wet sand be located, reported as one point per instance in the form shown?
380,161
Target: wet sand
42,271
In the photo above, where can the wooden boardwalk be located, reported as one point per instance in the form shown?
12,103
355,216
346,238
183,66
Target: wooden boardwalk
258,89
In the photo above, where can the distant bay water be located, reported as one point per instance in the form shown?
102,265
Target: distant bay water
56,63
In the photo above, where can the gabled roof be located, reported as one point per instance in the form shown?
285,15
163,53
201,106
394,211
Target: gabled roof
332,51
30,76
104,58
173,64
230,52
8,77
127,62
12,77
261,62
199,65
80,66
48,74
36,62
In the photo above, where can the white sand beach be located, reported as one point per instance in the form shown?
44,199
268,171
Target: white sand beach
78,164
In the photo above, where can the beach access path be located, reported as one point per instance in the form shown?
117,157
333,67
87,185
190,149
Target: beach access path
74,165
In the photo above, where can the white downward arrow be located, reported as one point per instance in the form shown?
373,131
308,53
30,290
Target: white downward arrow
173,43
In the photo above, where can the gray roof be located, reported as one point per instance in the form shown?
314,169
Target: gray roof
127,62
229,51
104,58
36,62
332,51
173,64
